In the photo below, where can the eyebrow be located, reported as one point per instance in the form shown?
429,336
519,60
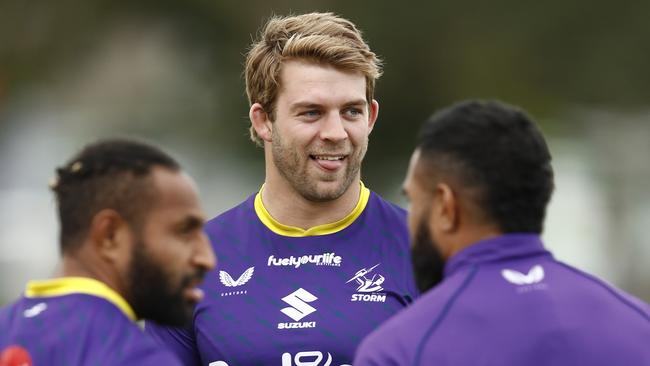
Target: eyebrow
361,102
308,105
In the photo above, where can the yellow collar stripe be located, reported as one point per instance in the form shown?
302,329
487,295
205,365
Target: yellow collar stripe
324,229
78,285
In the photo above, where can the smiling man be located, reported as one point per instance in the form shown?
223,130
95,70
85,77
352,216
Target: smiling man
133,247
313,261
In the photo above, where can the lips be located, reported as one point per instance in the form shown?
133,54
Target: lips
329,162
194,294
191,290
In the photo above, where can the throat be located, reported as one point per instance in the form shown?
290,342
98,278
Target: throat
286,207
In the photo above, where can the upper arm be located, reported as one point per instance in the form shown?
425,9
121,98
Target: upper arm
377,349
179,341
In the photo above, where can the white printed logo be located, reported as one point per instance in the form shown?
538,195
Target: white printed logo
225,278
325,259
228,281
298,309
307,358
298,301
35,310
535,275
368,286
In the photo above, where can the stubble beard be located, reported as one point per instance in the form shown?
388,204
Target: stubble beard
294,167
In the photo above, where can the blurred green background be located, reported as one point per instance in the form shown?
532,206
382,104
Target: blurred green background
170,72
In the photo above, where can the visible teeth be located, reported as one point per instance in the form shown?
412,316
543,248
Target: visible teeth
332,158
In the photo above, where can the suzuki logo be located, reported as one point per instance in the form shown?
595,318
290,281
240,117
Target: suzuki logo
299,307
535,275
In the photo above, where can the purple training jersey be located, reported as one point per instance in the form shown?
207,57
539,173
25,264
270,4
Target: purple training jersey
507,301
75,321
287,296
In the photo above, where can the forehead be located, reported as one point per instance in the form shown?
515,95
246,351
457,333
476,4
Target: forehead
410,173
413,183
305,81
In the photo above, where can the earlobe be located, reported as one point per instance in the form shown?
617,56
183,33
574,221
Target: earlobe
261,122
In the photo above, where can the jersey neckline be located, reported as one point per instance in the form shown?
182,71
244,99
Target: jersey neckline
78,285
325,229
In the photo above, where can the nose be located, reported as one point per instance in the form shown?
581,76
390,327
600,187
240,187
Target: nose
332,128
204,256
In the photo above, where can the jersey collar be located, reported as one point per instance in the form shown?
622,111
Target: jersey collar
324,229
78,285
506,246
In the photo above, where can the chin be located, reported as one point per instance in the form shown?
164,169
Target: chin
329,191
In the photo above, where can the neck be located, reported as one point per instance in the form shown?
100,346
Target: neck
469,237
81,263
290,208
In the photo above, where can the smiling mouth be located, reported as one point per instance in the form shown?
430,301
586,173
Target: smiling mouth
327,157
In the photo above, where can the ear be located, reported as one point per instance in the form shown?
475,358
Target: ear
445,214
111,235
373,113
261,122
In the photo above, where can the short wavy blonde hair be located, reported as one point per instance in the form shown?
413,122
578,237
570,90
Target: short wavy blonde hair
322,37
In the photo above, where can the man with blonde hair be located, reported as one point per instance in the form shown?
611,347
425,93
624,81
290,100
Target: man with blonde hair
314,261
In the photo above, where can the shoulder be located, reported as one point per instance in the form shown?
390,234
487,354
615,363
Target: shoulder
383,346
387,208
242,210
125,343
385,215
145,352
7,311
607,291
232,224
8,315
397,340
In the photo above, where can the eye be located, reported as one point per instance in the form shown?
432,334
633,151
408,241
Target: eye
310,115
353,112
190,226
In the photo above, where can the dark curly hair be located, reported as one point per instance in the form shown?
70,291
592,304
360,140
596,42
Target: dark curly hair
496,151
111,174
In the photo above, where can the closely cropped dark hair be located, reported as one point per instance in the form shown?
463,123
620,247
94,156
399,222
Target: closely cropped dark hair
106,174
496,150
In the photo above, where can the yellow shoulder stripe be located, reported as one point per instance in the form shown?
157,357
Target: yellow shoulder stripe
78,285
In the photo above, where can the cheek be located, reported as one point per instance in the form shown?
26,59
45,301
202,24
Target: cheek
413,221
168,247
358,133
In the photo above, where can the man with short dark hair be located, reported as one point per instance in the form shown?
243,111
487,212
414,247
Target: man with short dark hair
133,247
478,185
